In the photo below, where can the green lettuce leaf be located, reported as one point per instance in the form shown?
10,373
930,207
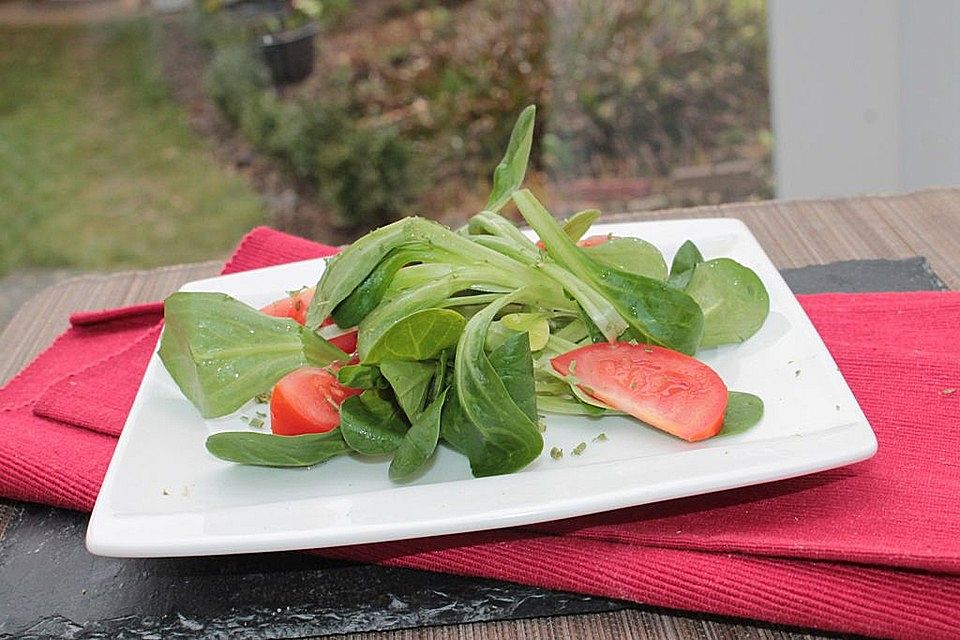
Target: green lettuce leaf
371,423
734,301
485,422
744,410
222,353
419,442
268,450
410,382
655,312
509,174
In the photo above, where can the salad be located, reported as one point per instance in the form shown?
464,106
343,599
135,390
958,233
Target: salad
417,335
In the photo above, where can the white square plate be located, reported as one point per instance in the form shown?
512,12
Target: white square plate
164,495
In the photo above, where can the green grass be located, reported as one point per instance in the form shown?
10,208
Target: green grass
98,165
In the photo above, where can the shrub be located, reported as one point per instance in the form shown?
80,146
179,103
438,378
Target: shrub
369,173
366,173
655,84
305,130
235,79
624,87
213,29
262,118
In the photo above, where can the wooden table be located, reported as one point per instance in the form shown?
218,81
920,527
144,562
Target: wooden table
794,234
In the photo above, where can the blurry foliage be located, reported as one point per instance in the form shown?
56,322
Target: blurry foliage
655,84
625,88
367,173
214,28
235,78
451,76
264,16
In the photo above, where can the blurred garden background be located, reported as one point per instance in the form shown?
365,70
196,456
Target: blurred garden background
140,135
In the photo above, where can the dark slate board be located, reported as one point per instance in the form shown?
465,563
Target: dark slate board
861,276
51,587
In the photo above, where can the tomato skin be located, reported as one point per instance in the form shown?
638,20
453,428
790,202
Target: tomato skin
307,401
346,342
292,306
295,307
592,241
589,241
664,388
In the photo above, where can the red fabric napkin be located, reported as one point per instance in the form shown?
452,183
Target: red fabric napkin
60,416
873,548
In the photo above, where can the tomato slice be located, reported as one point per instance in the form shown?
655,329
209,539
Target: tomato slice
295,307
307,401
666,389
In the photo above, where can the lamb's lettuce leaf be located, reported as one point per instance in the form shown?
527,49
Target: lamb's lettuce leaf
348,270
486,422
410,382
420,335
368,294
631,255
419,442
360,376
654,311
513,361
687,257
509,173
268,450
372,423
734,301
222,352
577,225
744,410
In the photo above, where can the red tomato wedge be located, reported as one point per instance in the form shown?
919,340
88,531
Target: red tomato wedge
589,241
346,342
307,401
666,389
295,307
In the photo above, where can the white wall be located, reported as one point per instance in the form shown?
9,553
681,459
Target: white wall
865,95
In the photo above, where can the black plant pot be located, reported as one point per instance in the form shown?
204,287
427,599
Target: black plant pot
289,54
